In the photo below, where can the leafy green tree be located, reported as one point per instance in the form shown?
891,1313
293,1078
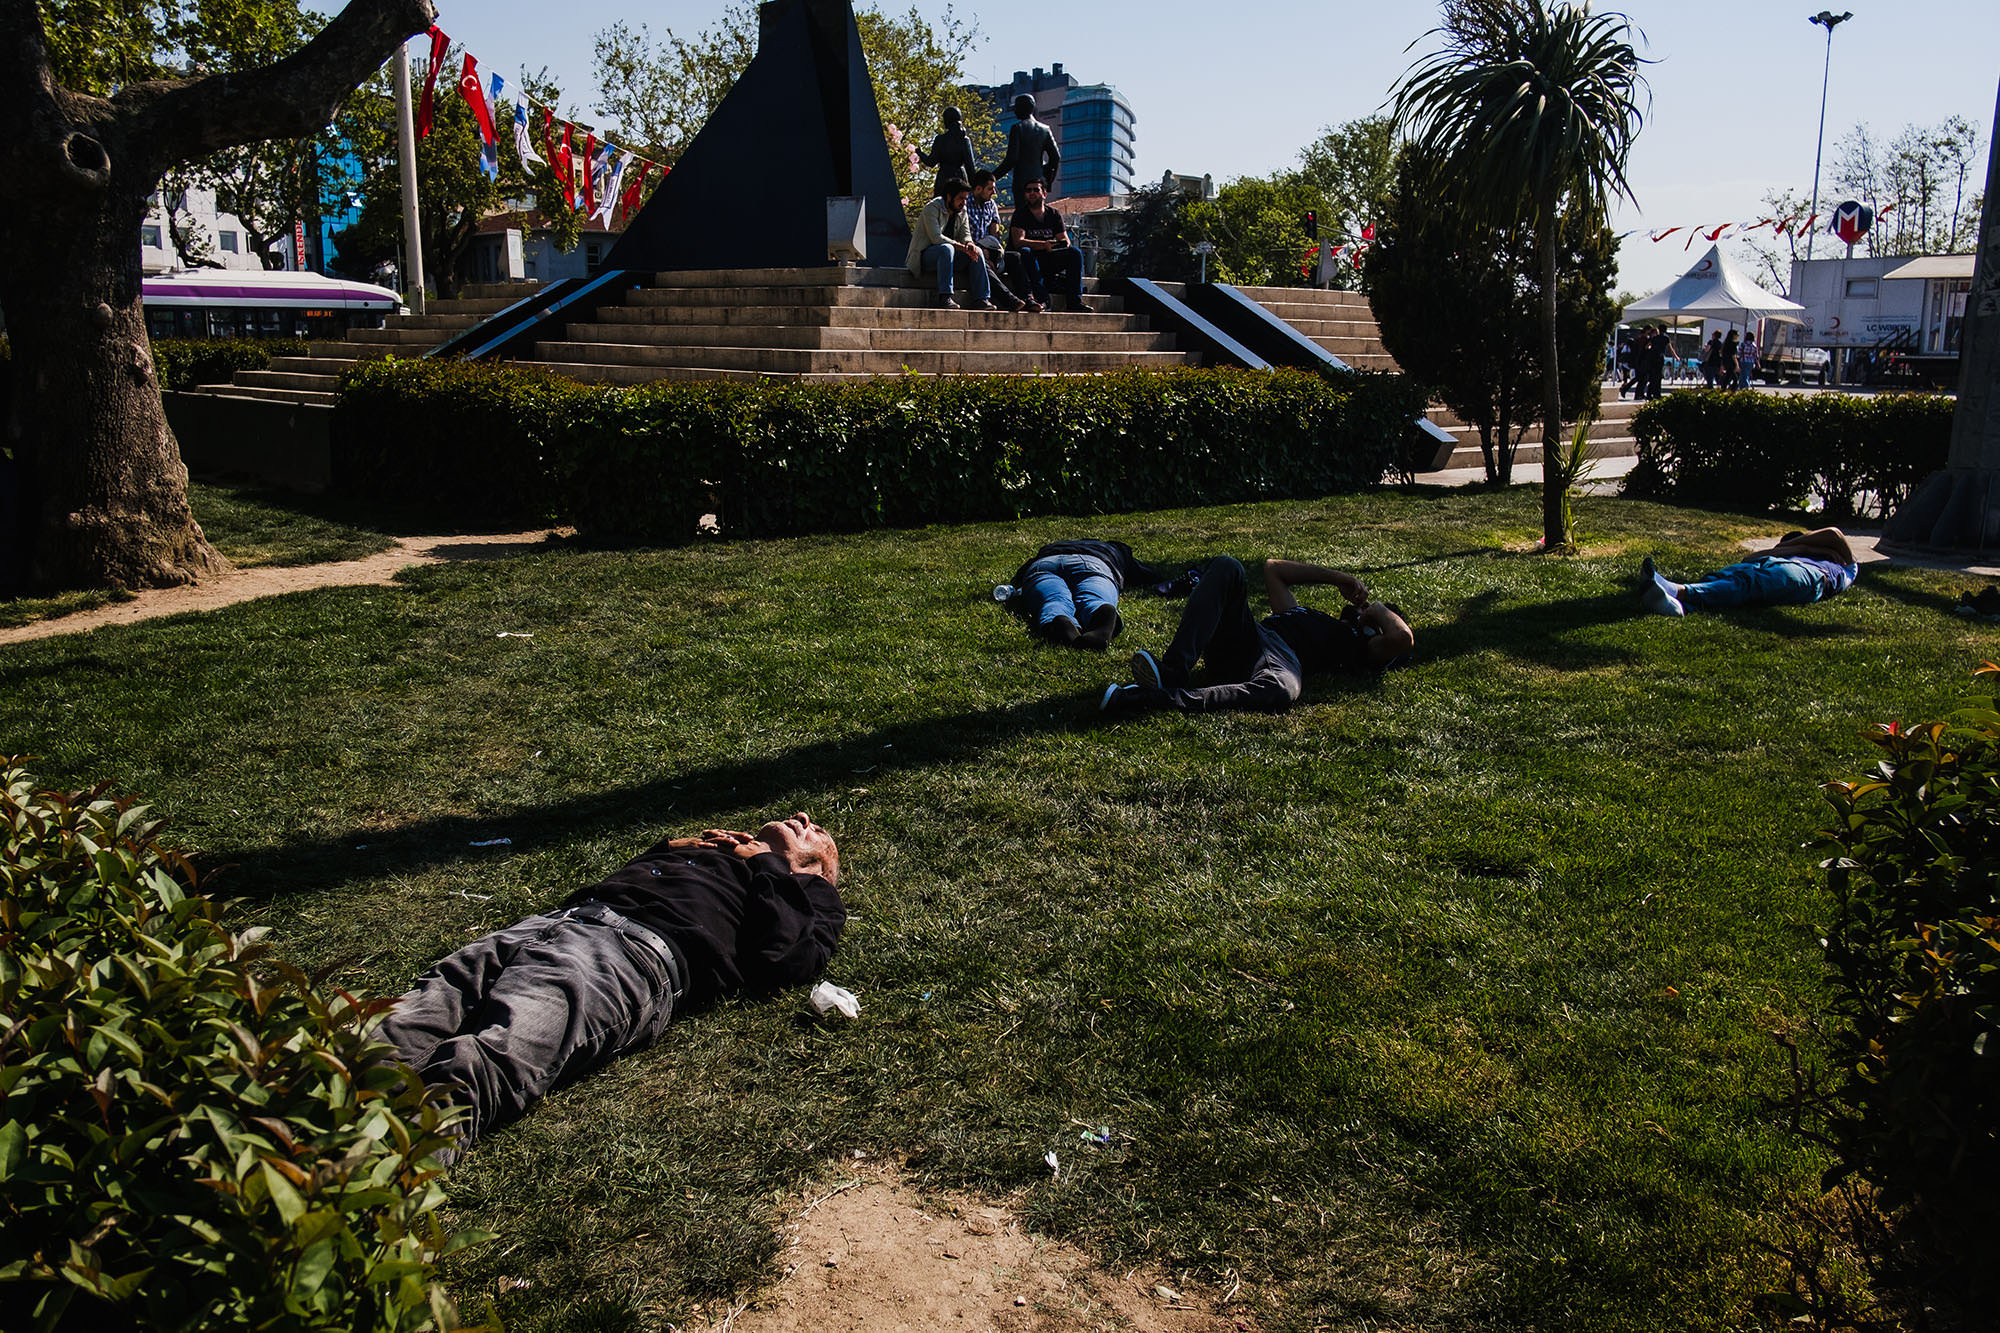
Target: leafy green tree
1351,168
662,92
1257,226
1427,260
1526,106
1154,240
96,105
1919,180
453,194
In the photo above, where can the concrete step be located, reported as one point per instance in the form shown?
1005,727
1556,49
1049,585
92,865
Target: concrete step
857,317
470,305
1531,452
1337,328
830,275
1307,296
1019,333
263,395
350,352
393,336
1349,348
286,379
499,291
433,321
804,361
819,295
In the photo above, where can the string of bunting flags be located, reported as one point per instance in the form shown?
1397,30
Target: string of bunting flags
601,181
1796,225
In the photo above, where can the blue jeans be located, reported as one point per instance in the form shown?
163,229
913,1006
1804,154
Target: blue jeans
1060,269
949,263
1766,581
548,998
1076,586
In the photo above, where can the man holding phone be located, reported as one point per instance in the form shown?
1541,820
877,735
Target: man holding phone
1040,241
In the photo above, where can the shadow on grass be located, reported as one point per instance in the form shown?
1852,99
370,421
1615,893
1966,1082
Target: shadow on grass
1535,632
777,784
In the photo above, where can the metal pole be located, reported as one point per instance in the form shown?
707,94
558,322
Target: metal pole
1831,21
406,142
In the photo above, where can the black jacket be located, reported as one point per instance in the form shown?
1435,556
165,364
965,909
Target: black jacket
1127,570
738,924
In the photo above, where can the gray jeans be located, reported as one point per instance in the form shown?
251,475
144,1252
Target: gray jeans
549,998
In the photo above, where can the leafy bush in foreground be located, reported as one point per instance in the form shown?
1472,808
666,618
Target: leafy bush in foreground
185,1141
1915,950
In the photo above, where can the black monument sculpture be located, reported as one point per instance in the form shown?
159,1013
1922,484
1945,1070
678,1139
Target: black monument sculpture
951,153
799,126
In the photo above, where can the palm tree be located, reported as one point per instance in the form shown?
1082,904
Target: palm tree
1526,103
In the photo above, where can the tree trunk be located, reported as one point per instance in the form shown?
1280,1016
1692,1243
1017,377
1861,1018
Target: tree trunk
103,475
1556,535
1958,509
100,489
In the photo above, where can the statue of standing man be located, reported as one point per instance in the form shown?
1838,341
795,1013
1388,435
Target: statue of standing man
1031,148
951,152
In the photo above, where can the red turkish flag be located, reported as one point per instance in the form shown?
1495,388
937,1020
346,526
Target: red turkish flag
589,167
475,97
565,168
439,45
631,200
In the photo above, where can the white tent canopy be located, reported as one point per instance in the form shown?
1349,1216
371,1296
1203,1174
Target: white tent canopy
1713,289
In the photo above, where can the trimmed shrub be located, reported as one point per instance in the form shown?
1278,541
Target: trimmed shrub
1915,953
643,464
1758,451
183,363
191,1136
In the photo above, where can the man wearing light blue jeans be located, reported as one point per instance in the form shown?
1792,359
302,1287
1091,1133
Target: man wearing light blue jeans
941,243
1804,567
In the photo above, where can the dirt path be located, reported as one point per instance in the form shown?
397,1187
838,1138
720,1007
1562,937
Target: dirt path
242,585
872,1256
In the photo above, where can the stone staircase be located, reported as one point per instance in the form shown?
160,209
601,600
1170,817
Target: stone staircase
823,324
1341,322
844,322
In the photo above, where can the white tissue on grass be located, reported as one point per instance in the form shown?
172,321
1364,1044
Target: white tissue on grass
827,998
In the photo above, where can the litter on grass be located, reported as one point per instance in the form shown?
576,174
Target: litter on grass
492,842
828,999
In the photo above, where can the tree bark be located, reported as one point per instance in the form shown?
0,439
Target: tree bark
102,491
1556,535
1958,509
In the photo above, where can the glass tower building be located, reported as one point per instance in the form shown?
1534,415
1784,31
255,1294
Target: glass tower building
1092,124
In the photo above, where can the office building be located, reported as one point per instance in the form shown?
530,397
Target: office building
1092,124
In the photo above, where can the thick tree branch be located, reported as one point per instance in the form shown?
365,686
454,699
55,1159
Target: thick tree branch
295,97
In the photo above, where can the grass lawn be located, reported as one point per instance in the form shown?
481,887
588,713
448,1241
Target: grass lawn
1443,1002
251,527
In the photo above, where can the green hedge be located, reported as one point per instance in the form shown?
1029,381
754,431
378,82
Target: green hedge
1763,451
1915,953
645,463
183,363
191,1136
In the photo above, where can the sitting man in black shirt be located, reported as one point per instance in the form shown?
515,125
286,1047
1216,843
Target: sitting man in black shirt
558,994
1262,666
1039,242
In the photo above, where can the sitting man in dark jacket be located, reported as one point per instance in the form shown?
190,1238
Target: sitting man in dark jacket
1253,665
560,993
1070,590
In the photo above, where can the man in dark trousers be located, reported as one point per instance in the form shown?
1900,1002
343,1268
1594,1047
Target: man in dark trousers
1039,240
1262,665
558,994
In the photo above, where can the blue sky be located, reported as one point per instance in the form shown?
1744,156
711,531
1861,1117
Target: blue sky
1238,89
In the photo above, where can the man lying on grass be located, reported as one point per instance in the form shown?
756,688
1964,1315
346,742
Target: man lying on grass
1253,665
560,993
1803,567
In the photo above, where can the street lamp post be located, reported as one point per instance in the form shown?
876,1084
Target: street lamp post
1829,20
